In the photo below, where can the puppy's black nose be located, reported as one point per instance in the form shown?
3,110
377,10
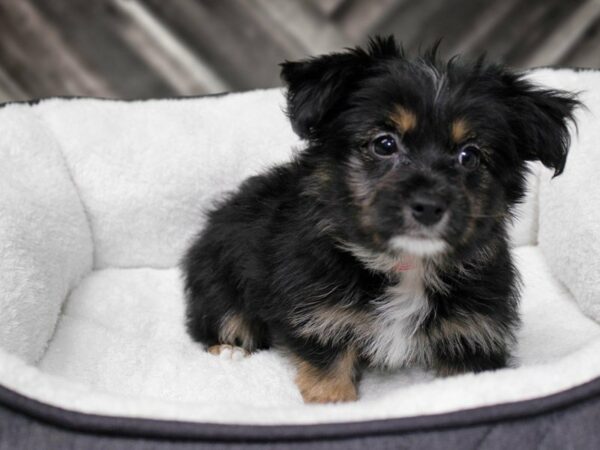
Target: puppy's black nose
427,210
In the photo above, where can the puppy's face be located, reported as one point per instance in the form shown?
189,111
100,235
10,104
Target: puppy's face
418,157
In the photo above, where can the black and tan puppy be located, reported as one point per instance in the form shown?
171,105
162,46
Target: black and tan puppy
384,242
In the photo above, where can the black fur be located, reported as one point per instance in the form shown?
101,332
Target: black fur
280,254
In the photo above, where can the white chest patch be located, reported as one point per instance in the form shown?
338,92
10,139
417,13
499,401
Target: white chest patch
398,315
400,311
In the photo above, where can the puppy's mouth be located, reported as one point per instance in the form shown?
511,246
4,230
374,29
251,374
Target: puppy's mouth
420,239
417,245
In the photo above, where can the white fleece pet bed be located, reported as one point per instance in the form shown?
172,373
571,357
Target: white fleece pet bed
99,199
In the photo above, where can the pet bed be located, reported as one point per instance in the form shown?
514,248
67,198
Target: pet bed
98,200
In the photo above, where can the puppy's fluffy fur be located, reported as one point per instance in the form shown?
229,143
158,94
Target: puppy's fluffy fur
384,241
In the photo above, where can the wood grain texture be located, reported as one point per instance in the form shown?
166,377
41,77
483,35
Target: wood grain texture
31,45
157,48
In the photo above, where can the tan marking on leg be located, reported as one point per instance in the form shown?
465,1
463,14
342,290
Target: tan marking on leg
336,384
235,328
404,119
460,130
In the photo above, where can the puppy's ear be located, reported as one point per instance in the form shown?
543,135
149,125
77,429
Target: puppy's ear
540,119
317,87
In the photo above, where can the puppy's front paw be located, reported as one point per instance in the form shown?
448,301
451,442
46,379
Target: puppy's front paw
228,352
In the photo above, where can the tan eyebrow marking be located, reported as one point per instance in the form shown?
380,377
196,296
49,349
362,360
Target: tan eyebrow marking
460,130
404,119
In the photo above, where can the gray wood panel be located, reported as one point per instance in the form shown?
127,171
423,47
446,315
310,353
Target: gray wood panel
93,30
150,48
38,58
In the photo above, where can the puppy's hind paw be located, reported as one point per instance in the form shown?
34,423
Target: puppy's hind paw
228,352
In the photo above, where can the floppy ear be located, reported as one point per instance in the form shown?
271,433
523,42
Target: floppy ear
540,122
317,86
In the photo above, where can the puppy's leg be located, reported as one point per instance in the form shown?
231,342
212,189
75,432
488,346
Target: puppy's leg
333,382
448,362
238,337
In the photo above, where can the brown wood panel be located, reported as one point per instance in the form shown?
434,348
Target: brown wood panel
228,37
482,28
91,30
10,89
514,30
167,55
552,17
33,52
587,52
358,18
328,7
300,22
452,22
566,37
406,20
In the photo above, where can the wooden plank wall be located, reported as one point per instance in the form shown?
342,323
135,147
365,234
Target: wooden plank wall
155,48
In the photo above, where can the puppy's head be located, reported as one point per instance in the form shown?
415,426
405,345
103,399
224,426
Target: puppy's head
416,156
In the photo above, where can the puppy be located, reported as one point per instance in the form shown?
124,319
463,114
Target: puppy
384,242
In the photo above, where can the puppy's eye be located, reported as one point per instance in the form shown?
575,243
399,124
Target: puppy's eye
469,156
384,145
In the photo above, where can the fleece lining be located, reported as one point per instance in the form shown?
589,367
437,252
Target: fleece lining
101,198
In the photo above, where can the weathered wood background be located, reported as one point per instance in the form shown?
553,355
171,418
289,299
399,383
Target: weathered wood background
153,48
